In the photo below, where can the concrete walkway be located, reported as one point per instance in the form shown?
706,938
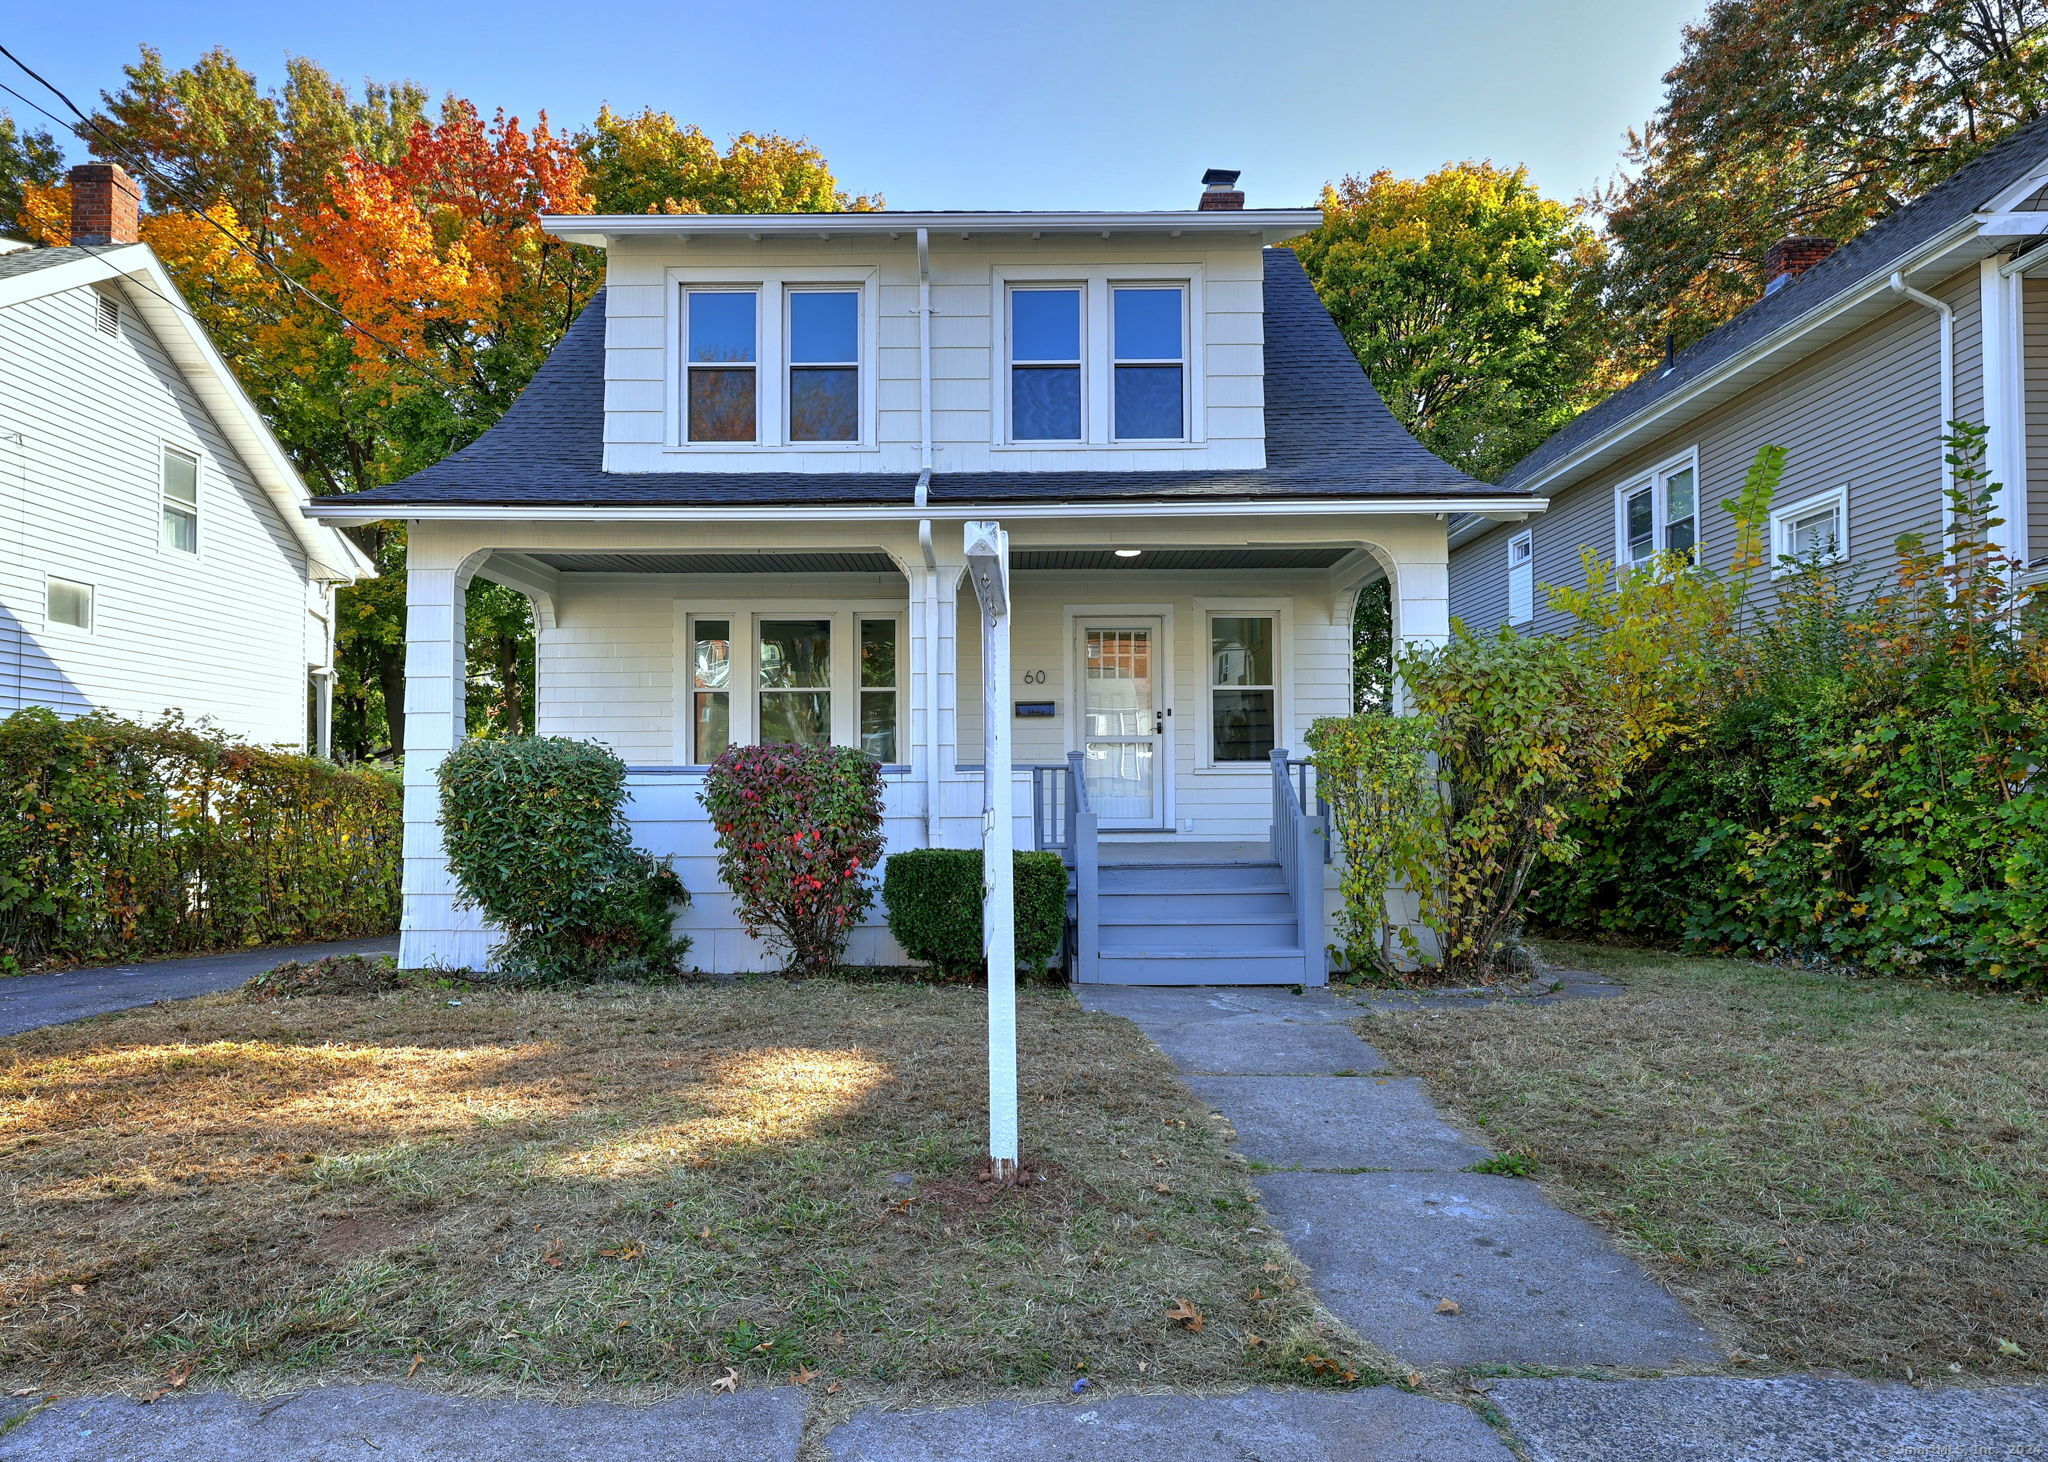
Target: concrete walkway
29,1001
1370,1186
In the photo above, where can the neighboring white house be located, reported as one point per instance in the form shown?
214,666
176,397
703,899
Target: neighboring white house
153,555
736,495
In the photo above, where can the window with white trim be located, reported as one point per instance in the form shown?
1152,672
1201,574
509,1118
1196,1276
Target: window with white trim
180,487
1045,363
1148,325
721,330
1244,687
824,364
1814,530
68,602
1522,577
1658,512
813,678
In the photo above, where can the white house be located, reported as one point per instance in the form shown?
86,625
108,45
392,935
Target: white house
737,492
153,551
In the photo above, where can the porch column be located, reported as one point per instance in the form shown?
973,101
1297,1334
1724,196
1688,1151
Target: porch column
432,931
1421,574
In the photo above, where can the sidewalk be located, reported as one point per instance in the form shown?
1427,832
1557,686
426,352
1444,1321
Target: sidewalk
29,1001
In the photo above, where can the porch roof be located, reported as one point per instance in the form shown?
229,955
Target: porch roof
1023,560
1328,435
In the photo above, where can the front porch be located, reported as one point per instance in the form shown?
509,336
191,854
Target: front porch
1156,666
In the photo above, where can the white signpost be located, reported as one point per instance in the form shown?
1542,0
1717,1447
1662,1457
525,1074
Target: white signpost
988,564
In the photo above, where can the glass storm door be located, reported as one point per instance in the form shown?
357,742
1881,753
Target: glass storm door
1123,727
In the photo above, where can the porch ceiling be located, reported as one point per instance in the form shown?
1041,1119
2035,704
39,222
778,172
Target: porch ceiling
1318,556
717,563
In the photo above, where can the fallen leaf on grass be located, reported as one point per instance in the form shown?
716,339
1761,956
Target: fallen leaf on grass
832,1389
703,1233
1183,1313
1254,1341
1448,1307
803,1375
730,1381
78,1289
1414,1378
553,1257
630,1252
1159,1188
178,1376
2006,1347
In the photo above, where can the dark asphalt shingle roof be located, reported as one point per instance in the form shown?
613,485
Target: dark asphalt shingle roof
1328,434
27,261
1885,243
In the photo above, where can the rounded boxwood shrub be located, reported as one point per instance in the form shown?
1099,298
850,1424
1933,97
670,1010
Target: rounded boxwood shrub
934,900
537,840
799,834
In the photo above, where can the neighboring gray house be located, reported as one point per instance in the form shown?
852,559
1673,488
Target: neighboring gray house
153,555
1852,361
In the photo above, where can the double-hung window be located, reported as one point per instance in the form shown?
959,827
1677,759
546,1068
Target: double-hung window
180,488
1045,363
809,678
1148,323
1244,689
1522,577
824,365
721,328
1658,512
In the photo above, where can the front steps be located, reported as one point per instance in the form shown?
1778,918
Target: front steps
1191,920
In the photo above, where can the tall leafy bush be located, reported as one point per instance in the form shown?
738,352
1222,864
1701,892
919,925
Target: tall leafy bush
933,896
1372,771
119,840
799,838
538,841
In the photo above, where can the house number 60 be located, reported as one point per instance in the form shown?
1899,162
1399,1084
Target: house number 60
1034,677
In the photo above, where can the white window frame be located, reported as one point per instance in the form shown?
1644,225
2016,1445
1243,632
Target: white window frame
1657,480
1522,577
744,677
771,354
1006,365
65,626
860,364
1836,498
1207,612
1098,347
1187,330
167,450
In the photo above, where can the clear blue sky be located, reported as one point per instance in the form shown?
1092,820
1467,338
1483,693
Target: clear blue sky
1065,103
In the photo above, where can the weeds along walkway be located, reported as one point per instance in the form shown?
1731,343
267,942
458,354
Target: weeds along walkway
1440,1264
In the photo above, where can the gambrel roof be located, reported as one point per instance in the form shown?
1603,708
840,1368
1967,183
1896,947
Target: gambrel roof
1328,435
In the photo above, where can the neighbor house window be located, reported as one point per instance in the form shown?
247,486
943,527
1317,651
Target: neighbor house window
824,365
181,500
1522,577
795,669
1045,364
1243,688
66,602
710,689
1659,512
719,394
1813,530
878,706
1148,327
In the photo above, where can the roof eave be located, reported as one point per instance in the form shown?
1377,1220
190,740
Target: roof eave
601,230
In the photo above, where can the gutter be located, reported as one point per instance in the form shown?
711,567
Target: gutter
1947,313
928,711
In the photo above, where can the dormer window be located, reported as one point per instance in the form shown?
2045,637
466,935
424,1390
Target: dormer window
721,326
1045,364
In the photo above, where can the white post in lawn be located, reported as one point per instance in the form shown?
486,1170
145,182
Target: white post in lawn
988,564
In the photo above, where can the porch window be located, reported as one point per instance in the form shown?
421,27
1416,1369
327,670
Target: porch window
824,365
719,391
1045,364
1659,512
181,501
1243,688
795,666
711,689
1148,326
878,703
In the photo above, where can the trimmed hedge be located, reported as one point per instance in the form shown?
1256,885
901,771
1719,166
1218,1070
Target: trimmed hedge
537,839
120,840
933,896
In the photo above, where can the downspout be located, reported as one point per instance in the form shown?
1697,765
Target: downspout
928,717
1948,372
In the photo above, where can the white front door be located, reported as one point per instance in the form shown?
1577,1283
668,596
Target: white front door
1124,720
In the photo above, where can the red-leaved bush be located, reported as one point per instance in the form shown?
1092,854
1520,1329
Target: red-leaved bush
799,834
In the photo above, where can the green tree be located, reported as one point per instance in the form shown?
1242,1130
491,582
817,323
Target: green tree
1803,117
1469,298
28,159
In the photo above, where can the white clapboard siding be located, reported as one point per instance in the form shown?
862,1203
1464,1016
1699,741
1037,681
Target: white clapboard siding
226,634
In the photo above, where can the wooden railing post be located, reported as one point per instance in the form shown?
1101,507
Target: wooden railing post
1081,840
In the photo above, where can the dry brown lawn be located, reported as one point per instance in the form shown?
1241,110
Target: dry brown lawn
624,1186
1840,1173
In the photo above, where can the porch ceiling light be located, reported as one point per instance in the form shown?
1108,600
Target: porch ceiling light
1129,552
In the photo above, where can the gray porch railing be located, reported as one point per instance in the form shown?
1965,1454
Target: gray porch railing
1062,822
1301,843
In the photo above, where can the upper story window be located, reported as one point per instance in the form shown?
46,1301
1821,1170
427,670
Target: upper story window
1522,577
824,365
721,328
180,501
1814,530
1658,512
1045,364
1150,384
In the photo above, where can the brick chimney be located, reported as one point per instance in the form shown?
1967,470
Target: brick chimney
103,205
1787,259
1219,191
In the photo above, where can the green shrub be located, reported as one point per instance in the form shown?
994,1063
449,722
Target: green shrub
537,840
119,840
799,837
934,900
